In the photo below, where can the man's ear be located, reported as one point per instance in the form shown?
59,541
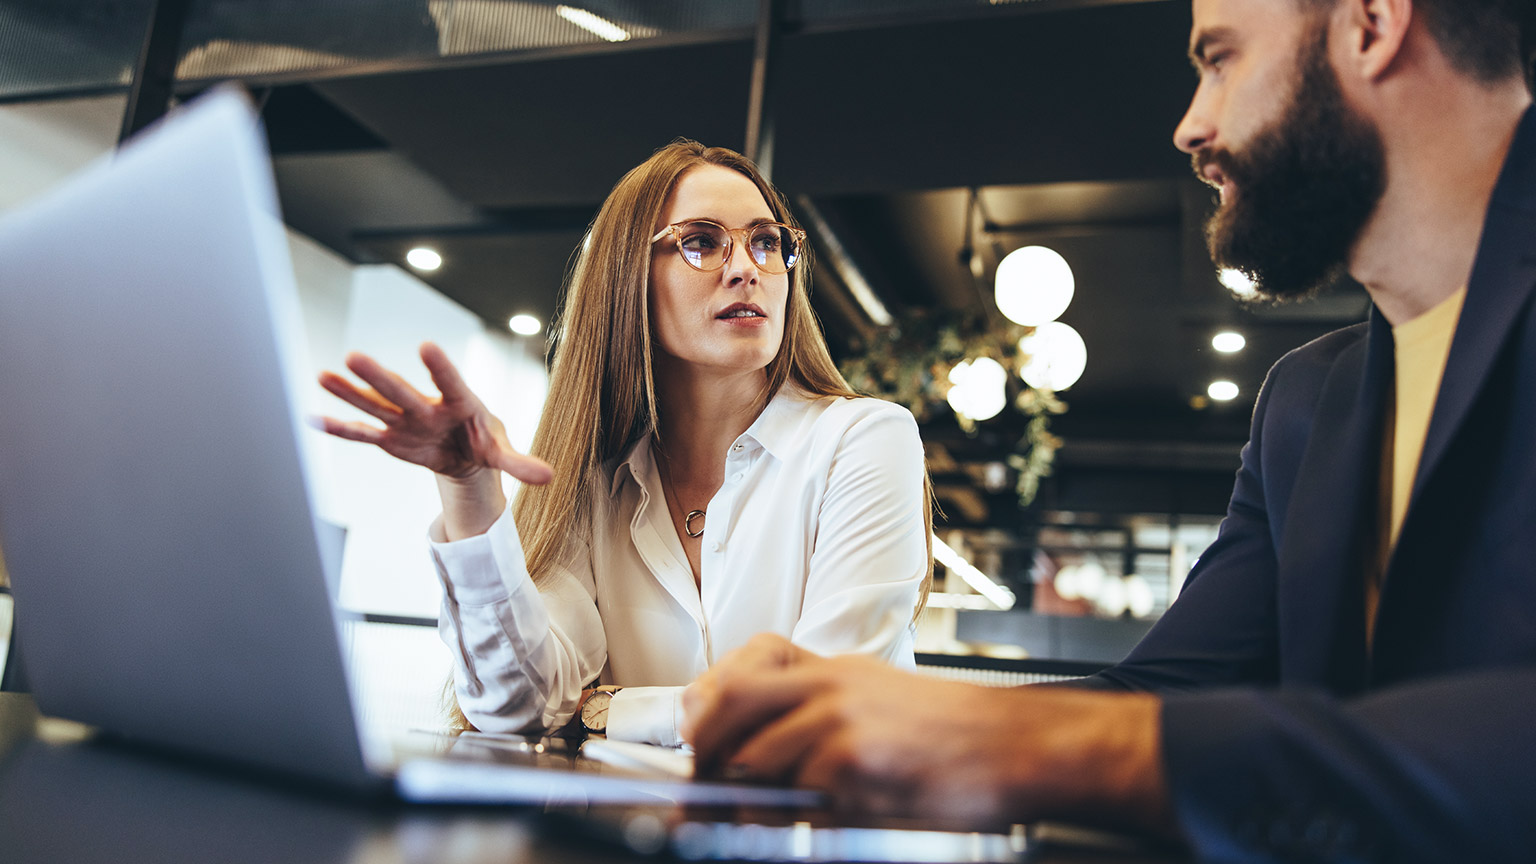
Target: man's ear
1375,33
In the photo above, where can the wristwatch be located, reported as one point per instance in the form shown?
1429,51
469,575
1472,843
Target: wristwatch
594,711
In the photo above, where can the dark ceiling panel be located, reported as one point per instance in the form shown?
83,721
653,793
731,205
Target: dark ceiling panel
298,120
495,276
1033,98
333,196
553,132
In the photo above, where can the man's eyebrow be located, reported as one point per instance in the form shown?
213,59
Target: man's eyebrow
1201,45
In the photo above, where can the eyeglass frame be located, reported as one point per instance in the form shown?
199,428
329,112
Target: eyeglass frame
730,239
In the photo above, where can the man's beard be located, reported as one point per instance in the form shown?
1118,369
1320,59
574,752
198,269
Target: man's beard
1302,190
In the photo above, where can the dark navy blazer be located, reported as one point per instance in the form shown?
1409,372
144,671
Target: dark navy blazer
1283,738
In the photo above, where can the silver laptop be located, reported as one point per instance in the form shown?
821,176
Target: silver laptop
155,511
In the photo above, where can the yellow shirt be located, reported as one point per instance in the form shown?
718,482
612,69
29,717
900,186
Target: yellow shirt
1421,347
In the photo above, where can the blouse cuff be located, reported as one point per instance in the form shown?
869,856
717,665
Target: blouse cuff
648,715
472,569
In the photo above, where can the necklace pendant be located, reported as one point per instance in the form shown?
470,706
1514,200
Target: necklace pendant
688,523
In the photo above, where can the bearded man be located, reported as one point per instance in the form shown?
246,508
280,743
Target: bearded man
1350,671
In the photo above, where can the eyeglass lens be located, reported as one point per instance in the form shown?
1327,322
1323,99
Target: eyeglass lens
705,245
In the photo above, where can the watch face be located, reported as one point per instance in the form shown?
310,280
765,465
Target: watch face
594,712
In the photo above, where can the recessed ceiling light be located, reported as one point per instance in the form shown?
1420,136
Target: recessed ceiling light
524,325
594,24
1222,391
1239,283
1228,342
424,259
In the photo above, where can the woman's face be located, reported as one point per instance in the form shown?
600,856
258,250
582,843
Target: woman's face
729,320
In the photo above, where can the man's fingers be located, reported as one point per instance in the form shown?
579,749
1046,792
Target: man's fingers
367,401
744,705
764,651
776,752
389,385
350,431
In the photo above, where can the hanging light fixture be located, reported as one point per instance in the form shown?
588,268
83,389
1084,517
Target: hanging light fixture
1056,356
980,388
1034,285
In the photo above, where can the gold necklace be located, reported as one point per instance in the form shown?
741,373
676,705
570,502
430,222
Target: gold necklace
666,477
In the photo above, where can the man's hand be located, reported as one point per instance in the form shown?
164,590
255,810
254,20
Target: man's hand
886,742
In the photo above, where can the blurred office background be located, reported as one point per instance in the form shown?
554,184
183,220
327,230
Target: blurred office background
921,141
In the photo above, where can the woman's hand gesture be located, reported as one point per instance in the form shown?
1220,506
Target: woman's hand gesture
452,434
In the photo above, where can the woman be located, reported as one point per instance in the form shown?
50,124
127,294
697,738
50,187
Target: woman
710,475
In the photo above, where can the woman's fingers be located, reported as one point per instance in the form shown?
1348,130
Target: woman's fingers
389,385
425,430
446,377
348,430
526,468
363,400
488,441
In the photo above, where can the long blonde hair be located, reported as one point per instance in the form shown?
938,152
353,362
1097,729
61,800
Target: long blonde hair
602,388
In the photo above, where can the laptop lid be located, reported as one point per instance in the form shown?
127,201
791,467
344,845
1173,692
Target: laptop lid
154,509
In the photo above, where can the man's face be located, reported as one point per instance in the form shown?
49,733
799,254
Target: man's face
1298,169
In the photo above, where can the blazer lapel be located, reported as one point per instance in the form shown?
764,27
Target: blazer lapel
1330,531
1500,284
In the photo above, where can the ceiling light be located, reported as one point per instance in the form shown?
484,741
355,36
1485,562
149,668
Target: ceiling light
1228,342
1056,356
980,390
525,325
424,259
1239,283
1222,391
598,26
853,278
1034,285
1000,595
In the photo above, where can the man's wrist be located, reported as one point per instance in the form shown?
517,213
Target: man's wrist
1134,763
1088,757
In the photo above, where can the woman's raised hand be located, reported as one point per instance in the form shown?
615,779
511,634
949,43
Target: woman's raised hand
452,434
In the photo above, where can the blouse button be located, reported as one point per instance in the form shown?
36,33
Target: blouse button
736,448
736,478
715,546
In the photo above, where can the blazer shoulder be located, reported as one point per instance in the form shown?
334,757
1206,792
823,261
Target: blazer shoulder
1303,369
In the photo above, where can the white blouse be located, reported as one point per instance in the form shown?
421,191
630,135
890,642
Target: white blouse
817,534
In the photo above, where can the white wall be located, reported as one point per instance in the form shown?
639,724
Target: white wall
385,504
43,142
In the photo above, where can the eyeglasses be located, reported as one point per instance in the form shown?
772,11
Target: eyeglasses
706,246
